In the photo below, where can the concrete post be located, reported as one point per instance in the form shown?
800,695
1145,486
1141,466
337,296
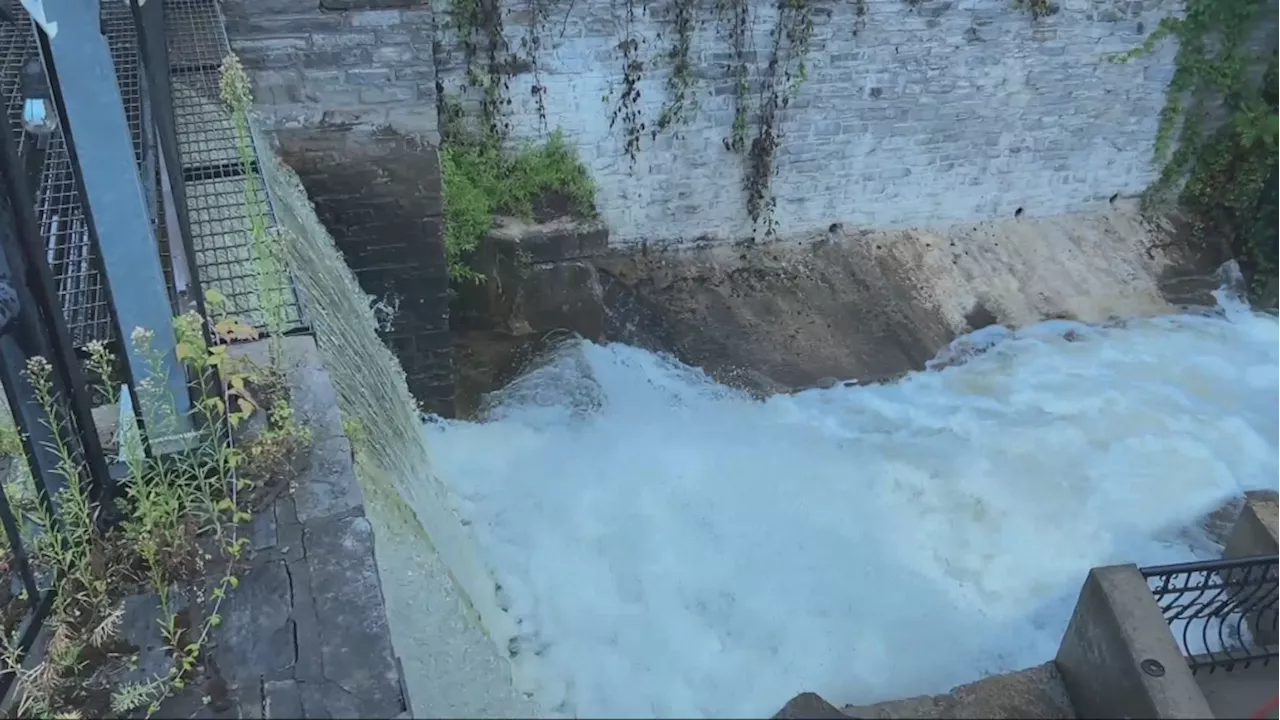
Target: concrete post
1255,534
1118,658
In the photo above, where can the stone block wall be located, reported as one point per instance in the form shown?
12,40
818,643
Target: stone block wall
928,113
338,62
912,113
378,192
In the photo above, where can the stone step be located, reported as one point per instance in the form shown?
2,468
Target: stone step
1037,692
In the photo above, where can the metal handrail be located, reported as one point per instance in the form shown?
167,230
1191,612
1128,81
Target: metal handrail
32,325
1223,612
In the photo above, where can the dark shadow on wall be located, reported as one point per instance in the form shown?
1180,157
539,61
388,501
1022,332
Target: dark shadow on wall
379,193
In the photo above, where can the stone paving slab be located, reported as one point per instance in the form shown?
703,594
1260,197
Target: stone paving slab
355,641
305,634
258,629
332,488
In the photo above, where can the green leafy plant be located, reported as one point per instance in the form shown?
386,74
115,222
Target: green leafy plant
173,507
480,182
482,176
265,243
1217,139
680,103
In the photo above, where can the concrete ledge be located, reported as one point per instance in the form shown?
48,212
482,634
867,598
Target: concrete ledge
1255,530
554,241
1118,658
306,632
1036,693
538,276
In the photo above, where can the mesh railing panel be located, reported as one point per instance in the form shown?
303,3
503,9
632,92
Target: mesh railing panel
59,211
216,179
212,172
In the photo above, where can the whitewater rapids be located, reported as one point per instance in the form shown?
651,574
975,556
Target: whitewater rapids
672,548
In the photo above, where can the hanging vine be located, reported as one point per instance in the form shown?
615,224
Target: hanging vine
786,71
1038,9
480,31
679,104
627,108
762,96
735,18
1217,139
530,45
482,178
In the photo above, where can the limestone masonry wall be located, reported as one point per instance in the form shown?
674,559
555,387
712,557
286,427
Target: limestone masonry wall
379,194
936,112
912,113
338,62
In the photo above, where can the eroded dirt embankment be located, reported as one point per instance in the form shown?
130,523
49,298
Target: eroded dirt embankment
848,304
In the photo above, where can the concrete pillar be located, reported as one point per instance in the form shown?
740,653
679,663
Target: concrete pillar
1255,534
1118,658
1255,530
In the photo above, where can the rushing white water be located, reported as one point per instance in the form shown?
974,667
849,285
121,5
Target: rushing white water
673,548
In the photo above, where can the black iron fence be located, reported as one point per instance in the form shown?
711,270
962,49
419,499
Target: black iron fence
1222,612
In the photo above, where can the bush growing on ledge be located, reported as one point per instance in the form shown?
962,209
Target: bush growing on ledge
181,524
480,182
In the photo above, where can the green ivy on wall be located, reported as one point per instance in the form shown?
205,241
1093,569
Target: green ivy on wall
482,176
1217,139
760,95
681,103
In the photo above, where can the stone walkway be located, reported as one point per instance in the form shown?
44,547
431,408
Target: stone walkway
1240,692
305,633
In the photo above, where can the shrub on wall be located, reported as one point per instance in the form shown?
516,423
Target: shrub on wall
481,182
1219,129
764,80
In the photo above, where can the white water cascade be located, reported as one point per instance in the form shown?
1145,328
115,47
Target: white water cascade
671,547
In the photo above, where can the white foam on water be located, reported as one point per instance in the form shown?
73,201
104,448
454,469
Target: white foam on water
671,547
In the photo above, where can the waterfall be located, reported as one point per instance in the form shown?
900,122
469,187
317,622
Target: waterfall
670,547
639,541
